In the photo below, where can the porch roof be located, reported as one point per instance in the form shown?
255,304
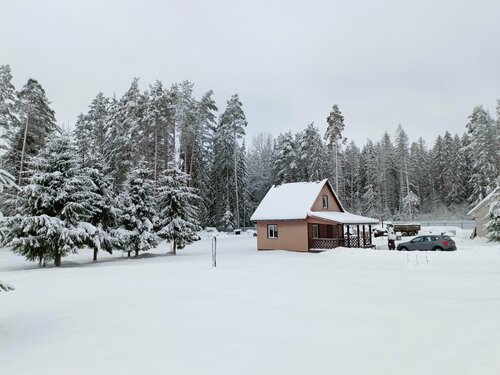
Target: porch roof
342,217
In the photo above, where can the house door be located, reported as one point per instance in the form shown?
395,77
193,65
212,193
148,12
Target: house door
329,231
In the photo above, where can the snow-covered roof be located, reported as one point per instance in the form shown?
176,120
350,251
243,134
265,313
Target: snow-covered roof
494,193
294,202
342,217
288,201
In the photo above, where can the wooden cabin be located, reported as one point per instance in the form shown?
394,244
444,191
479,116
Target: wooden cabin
308,216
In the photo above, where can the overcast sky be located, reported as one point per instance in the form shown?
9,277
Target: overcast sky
424,64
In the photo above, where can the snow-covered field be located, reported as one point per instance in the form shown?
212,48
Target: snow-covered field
346,311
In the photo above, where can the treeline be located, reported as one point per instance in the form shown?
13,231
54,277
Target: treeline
391,178
160,163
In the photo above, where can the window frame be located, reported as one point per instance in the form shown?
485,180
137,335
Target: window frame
317,230
325,207
274,229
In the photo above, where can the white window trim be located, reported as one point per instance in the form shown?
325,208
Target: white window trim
274,229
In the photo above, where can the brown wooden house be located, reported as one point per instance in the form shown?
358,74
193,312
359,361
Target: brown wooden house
308,216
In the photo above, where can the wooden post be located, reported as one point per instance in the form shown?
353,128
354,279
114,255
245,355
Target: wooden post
370,230
359,244
348,237
364,241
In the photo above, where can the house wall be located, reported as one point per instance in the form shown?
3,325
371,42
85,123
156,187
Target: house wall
479,217
292,235
332,202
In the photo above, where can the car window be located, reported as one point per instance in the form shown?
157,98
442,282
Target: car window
433,238
447,238
417,239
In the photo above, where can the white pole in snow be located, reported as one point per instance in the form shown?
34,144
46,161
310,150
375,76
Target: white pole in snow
214,252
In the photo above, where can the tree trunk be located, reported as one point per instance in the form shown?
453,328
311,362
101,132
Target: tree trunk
24,147
57,260
237,215
128,254
136,253
174,248
95,255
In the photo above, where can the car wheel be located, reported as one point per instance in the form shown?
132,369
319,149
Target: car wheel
403,248
437,248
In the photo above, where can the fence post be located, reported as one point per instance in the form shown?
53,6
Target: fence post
214,252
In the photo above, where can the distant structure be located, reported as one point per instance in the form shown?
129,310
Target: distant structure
480,212
308,216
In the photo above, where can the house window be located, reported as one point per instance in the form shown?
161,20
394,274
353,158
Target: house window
272,231
315,228
325,202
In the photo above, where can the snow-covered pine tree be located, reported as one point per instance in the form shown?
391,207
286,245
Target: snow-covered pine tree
138,212
91,129
388,176
234,122
286,159
202,154
36,123
53,209
410,204
483,142
369,185
312,155
8,117
260,161
177,209
333,138
492,226
122,139
103,211
6,181
419,160
351,175
185,123
401,164
227,220
158,122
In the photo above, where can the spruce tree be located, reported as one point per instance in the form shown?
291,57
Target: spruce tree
333,137
492,226
138,213
8,117
177,209
484,153
312,154
36,123
286,162
53,209
6,181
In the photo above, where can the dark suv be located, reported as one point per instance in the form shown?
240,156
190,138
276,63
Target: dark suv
429,242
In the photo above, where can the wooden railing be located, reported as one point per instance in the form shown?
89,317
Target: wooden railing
331,243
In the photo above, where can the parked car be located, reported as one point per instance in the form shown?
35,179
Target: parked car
429,242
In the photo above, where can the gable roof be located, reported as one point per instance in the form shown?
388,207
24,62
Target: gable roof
289,201
494,193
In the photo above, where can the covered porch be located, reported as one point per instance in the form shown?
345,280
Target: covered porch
328,230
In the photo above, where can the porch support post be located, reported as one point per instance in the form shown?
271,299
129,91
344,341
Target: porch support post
364,242
370,232
348,237
359,243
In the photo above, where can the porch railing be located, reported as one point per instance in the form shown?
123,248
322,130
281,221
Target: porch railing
331,243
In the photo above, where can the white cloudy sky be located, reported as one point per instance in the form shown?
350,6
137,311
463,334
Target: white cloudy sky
424,64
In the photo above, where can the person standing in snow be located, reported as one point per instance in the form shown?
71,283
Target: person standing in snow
391,238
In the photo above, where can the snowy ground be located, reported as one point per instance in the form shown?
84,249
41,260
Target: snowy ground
347,311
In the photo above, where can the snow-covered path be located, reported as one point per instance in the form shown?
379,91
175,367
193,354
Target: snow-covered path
347,311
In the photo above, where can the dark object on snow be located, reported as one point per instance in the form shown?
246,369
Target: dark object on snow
406,229
4,287
429,242
237,232
391,244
